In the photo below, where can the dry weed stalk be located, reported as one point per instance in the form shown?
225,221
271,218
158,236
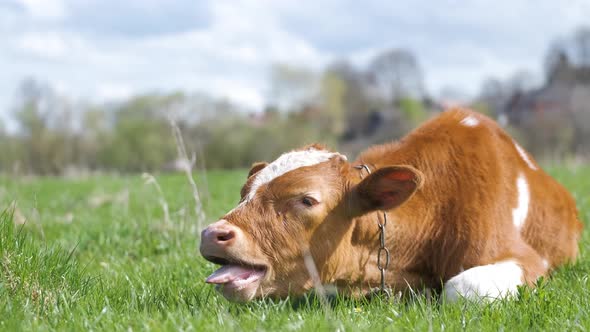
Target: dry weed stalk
17,216
150,179
187,165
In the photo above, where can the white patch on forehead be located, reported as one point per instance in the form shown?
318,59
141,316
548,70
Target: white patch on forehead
520,213
470,121
524,156
288,162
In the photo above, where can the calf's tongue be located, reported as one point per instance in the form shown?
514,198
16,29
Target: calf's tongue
229,273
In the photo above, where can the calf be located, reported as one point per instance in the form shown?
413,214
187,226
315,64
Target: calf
467,208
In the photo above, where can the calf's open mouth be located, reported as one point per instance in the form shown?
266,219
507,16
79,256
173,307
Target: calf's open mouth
236,276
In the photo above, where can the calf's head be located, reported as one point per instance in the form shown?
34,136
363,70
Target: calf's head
302,204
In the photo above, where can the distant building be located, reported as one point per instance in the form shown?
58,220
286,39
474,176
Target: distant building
554,98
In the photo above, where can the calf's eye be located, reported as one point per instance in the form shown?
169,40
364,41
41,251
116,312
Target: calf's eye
308,201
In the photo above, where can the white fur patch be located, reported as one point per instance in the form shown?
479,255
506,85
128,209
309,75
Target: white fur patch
521,211
546,263
488,282
525,156
470,121
288,162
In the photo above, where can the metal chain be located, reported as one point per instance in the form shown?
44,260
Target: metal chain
383,251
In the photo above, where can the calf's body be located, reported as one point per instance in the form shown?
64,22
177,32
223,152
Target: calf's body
484,201
467,209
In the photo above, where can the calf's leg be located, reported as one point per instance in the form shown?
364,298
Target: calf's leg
497,280
490,282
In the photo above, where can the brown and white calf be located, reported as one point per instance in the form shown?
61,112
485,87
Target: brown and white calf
469,212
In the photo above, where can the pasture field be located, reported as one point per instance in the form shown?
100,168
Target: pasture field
101,254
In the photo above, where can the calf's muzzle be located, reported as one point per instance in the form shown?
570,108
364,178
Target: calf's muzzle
217,238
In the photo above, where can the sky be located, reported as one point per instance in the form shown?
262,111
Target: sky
105,50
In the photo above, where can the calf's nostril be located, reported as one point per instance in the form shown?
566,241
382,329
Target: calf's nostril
225,236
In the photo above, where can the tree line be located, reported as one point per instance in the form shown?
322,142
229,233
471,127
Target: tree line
343,106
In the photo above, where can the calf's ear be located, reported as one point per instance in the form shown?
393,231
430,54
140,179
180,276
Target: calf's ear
385,189
257,167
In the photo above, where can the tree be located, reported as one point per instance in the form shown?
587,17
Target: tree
494,95
580,103
555,56
43,119
581,45
396,74
31,112
291,85
521,81
344,91
333,91
141,138
574,48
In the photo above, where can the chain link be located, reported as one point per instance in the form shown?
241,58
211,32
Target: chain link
383,252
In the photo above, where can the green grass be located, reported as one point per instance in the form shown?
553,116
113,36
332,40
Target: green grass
98,254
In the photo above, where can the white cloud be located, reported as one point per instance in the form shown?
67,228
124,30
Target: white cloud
241,94
46,45
45,9
231,58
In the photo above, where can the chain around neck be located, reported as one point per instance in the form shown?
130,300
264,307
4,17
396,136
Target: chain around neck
383,254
